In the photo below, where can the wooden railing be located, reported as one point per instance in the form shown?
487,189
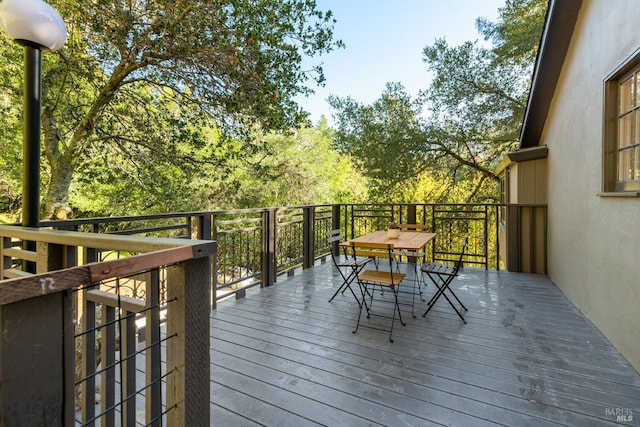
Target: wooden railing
73,331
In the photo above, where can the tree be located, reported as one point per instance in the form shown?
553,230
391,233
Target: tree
301,168
137,77
516,34
385,139
472,111
10,137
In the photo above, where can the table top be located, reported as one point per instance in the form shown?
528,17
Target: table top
408,240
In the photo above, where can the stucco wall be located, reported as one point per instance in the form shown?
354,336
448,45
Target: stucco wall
593,241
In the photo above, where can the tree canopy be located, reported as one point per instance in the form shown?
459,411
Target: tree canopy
188,105
461,126
145,83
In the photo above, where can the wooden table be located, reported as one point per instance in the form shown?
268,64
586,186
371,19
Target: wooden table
407,240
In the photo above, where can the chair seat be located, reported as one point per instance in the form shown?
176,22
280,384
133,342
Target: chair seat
442,269
383,277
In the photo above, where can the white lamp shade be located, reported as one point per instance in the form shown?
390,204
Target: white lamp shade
33,21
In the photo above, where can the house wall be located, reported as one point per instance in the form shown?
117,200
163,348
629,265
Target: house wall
532,182
593,241
532,189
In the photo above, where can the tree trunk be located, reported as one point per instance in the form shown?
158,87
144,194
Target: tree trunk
57,195
62,164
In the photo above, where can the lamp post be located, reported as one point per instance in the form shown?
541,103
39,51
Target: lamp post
38,27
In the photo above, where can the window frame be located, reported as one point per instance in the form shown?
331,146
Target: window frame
622,72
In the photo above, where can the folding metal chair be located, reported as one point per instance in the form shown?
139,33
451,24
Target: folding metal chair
372,278
352,264
442,275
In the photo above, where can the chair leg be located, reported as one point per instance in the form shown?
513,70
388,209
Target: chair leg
416,286
421,283
432,300
346,283
395,308
339,289
398,308
454,307
364,290
359,316
443,284
457,299
367,307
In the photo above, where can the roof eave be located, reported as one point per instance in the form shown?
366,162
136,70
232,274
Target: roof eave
556,36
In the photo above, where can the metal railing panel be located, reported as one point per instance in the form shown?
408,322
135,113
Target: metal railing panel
254,252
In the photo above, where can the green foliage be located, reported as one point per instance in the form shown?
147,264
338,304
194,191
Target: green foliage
137,83
461,126
298,168
270,169
10,136
515,36
384,138
189,105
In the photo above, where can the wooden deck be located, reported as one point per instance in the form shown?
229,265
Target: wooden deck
285,356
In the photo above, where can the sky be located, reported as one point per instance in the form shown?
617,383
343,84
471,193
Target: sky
384,41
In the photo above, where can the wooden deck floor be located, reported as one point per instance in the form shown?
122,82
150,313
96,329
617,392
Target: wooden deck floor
285,356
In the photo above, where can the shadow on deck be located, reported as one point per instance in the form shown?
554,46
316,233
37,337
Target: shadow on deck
285,356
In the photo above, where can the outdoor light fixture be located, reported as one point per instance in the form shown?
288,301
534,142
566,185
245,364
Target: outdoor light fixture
38,27
33,23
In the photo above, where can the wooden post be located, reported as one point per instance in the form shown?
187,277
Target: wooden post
513,239
88,367
335,225
308,237
411,214
204,227
269,232
128,349
213,223
108,361
153,356
35,387
188,351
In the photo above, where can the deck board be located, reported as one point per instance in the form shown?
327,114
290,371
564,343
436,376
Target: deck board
286,356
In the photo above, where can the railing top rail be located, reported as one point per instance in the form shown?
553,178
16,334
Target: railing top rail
115,219
37,285
381,204
118,219
94,240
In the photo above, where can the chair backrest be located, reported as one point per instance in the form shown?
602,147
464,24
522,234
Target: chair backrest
377,250
333,239
459,262
334,236
373,250
414,227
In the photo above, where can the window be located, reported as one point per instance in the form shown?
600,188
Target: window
629,129
622,129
